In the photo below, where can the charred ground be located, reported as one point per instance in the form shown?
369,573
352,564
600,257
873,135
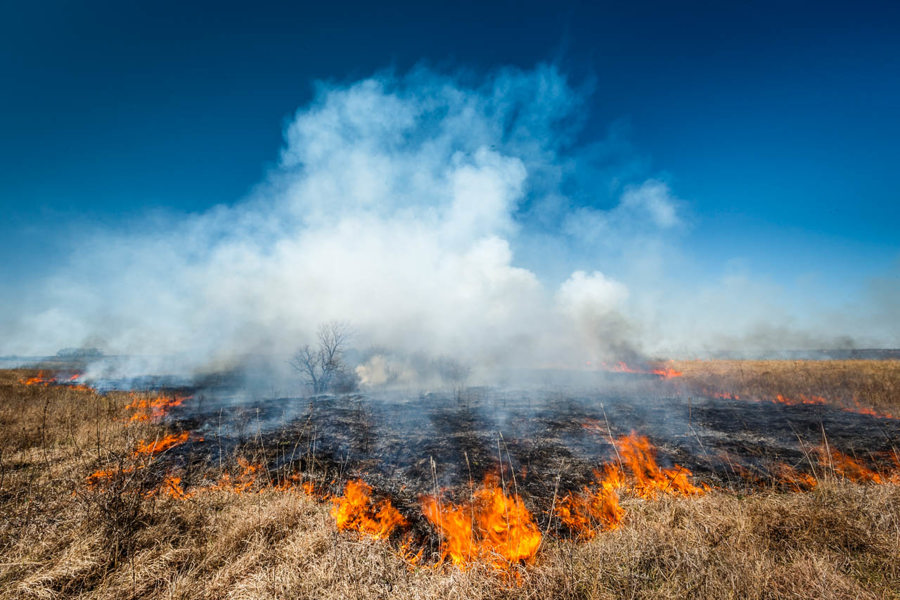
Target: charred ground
751,535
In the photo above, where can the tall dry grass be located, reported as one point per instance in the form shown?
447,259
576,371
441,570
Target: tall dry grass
868,383
59,539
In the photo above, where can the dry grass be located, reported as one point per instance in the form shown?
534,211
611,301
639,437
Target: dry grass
839,541
871,383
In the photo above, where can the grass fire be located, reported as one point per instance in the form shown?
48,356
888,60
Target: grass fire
744,478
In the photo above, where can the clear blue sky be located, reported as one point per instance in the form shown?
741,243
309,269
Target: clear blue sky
777,122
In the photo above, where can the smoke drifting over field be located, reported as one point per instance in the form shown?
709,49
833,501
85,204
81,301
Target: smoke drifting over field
437,215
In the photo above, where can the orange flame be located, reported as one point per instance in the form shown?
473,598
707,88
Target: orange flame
354,510
594,505
172,487
103,475
664,372
494,526
667,373
39,379
847,467
799,399
649,479
161,445
796,480
242,482
866,410
147,409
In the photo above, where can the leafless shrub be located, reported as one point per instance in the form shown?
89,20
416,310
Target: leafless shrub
323,367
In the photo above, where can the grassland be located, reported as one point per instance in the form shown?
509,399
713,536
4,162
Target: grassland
61,538
873,384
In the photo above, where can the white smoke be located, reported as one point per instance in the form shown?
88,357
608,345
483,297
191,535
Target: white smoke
425,211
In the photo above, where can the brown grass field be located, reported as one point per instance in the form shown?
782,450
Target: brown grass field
873,384
63,538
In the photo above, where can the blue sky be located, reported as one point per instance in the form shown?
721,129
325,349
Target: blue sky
774,123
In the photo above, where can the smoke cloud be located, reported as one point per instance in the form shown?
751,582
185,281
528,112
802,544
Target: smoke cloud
439,215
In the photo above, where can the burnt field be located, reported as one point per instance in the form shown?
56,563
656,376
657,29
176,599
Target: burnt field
710,479
547,442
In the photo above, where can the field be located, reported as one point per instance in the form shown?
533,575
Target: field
88,514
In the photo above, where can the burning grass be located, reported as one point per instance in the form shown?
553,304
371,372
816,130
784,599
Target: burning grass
161,524
493,527
865,386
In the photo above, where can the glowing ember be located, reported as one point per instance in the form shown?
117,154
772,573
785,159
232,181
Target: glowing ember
648,479
494,526
355,511
161,445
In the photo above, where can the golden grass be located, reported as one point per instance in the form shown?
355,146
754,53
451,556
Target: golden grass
870,383
839,541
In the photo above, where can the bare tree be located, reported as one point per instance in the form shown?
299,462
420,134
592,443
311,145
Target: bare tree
308,363
323,368
332,338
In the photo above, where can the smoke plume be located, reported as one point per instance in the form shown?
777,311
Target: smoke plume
438,215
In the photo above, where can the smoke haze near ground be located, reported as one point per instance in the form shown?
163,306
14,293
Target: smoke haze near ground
438,215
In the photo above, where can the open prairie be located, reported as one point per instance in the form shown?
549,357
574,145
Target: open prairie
785,485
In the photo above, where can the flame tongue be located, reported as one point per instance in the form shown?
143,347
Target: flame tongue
598,505
455,525
161,445
847,467
639,456
493,526
507,527
354,510
153,409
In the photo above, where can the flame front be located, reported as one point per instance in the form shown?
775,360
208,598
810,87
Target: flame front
847,467
39,379
595,506
664,372
494,526
639,455
796,480
161,445
154,409
354,510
